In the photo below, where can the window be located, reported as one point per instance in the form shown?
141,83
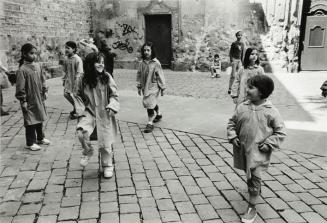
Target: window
316,38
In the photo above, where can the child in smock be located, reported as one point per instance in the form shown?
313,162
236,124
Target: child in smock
99,93
255,130
150,82
31,92
250,69
215,68
73,71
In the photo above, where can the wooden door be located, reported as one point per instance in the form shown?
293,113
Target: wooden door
314,56
158,31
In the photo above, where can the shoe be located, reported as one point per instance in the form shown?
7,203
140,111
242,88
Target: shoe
148,128
108,172
84,160
250,215
3,113
44,142
73,116
228,91
212,76
157,118
34,147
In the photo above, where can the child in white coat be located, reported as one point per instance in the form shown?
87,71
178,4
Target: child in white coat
98,91
255,130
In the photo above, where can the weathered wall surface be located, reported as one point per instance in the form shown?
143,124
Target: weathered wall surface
46,23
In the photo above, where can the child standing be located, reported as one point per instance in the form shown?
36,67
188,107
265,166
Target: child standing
215,68
150,81
251,68
99,93
31,92
236,57
255,130
73,69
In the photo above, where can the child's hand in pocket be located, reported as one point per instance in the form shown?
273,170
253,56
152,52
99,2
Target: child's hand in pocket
264,148
24,106
236,142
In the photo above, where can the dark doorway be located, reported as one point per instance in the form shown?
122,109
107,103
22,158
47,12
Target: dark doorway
158,31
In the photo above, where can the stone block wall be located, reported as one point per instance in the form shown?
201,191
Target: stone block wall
46,23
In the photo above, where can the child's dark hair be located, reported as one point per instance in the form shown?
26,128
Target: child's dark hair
26,48
153,52
90,73
247,57
238,32
263,83
72,45
216,56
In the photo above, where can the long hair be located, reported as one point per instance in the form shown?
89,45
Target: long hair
247,57
26,48
153,52
90,73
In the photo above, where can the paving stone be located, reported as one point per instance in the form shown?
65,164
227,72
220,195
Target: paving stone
34,197
24,218
129,208
109,207
165,205
160,193
232,195
147,202
14,194
291,216
109,217
308,198
219,202
127,199
287,196
190,190
126,191
89,209
274,185
275,220
277,203
228,215
127,218
239,206
321,209
313,217
150,213
223,185
210,191
266,211
185,207
29,209
37,184
9,208
206,211
108,196
70,201
73,192
168,216
50,209
306,184
190,218
69,213
318,193
47,219
199,199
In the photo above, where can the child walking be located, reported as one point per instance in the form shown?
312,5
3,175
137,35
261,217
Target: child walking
215,68
236,57
255,130
73,69
250,69
99,93
150,82
31,92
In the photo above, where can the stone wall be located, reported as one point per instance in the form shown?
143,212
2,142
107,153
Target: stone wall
46,23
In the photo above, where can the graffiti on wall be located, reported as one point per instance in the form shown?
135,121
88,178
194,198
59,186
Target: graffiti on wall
123,45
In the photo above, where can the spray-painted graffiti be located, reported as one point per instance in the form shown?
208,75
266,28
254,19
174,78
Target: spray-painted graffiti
128,30
123,46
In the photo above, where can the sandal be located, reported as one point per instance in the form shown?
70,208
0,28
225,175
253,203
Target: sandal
157,118
148,128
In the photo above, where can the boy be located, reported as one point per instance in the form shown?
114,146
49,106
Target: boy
236,57
255,130
73,69
215,67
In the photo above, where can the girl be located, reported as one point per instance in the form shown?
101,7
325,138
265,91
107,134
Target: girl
150,81
31,92
98,91
215,68
73,69
251,68
255,130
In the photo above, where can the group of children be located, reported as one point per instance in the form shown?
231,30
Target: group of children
255,129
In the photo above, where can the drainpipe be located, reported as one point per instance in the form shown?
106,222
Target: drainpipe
179,21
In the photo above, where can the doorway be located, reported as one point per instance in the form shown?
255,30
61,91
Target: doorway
158,31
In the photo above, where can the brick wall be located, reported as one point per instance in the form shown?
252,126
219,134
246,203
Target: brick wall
46,23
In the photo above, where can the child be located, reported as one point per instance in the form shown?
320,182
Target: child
216,66
4,83
236,57
31,92
251,68
73,68
150,82
255,130
99,93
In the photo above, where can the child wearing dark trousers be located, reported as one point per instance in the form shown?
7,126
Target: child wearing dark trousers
150,82
31,92
255,130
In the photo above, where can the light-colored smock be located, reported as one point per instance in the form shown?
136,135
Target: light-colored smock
239,85
255,125
30,87
150,79
73,69
96,100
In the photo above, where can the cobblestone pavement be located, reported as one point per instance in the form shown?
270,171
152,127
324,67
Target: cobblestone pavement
164,176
